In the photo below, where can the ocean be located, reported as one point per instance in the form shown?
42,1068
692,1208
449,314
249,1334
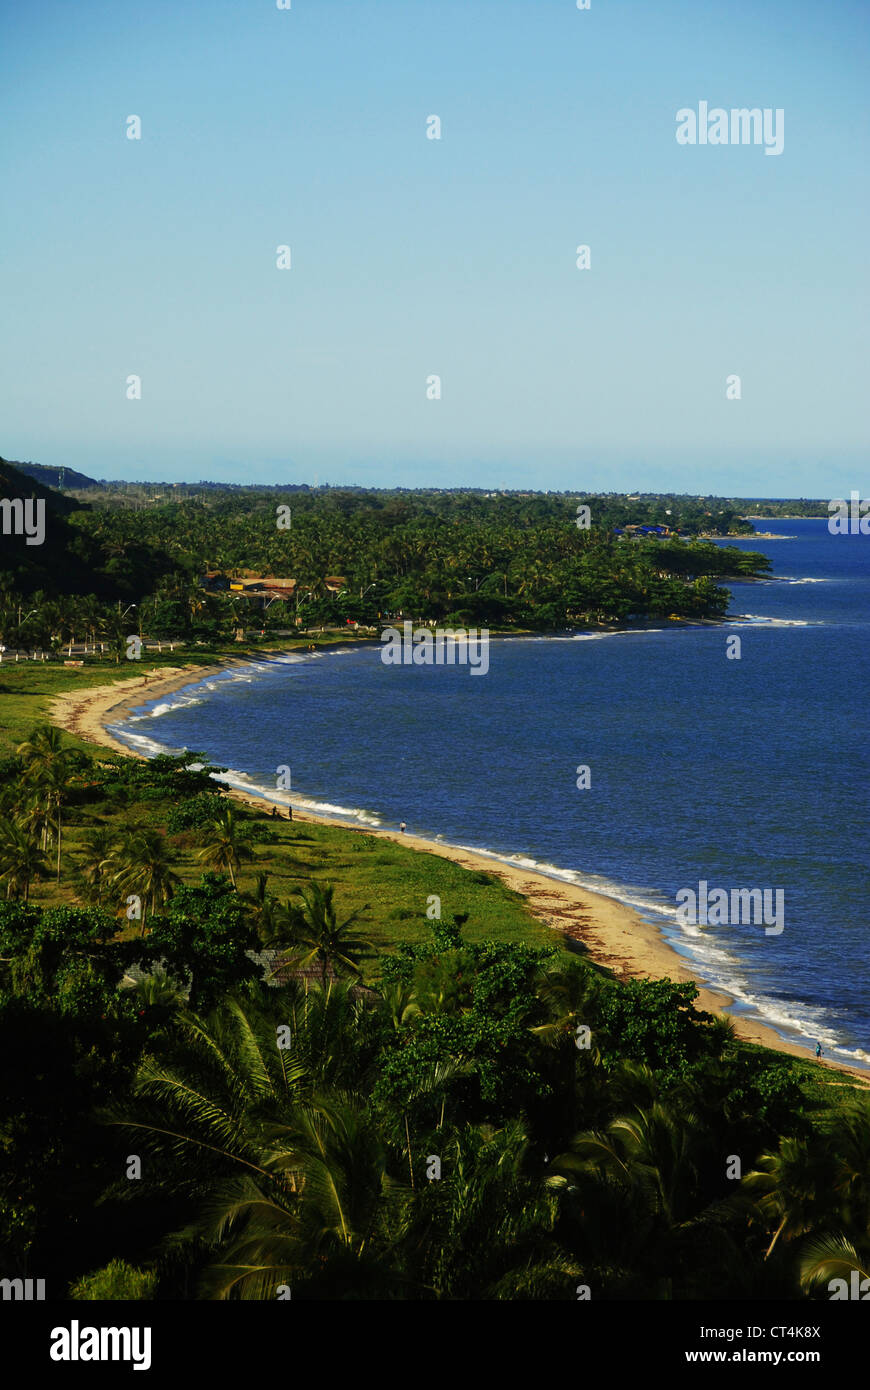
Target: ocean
739,773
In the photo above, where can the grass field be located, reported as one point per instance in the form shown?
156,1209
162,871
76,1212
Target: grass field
387,884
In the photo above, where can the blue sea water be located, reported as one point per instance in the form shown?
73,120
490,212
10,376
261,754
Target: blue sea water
743,773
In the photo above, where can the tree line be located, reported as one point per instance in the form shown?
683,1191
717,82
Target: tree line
461,558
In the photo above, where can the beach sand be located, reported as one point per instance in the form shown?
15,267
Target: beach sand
613,934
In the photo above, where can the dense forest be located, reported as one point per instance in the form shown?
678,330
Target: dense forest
505,560
785,507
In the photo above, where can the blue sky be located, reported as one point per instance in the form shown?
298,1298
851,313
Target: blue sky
413,257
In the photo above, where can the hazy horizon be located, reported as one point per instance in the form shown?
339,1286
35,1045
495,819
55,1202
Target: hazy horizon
419,486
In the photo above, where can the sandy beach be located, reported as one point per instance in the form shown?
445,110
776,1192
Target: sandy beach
613,934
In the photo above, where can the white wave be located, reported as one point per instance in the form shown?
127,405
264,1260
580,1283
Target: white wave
241,781
795,1021
169,705
753,619
243,675
326,808
595,636
148,747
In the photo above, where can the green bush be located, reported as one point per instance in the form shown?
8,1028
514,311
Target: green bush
117,1280
259,834
195,812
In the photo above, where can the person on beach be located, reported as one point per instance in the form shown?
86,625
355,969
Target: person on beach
402,826
274,811
818,1051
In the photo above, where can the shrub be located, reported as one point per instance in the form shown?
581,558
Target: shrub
117,1280
195,812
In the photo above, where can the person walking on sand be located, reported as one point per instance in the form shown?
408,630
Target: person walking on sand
402,826
818,1051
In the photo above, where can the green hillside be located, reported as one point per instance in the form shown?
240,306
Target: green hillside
59,478
61,556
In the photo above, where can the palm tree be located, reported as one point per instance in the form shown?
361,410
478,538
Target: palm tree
54,779
848,1137
157,988
96,851
569,997
227,846
21,860
265,911
35,816
319,936
791,1187
43,746
651,1149
841,1243
92,617
638,1206
323,1212
48,766
143,869
296,1179
400,1003
831,1256
487,1229
117,646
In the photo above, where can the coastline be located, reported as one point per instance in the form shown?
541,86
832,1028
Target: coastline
612,934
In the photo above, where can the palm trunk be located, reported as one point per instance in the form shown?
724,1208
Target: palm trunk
410,1163
776,1236
58,842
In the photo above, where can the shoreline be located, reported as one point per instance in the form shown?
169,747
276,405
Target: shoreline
612,934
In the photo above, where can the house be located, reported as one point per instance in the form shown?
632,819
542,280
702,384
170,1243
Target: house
638,529
280,968
264,589
214,582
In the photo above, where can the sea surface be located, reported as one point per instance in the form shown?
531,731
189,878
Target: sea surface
743,773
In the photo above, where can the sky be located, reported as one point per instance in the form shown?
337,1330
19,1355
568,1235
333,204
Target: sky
412,257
